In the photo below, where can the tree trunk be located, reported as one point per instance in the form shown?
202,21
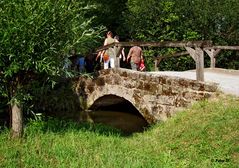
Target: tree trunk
17,121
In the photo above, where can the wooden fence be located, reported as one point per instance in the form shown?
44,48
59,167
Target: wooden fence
193,48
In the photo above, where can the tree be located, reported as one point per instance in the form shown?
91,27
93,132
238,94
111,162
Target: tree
160,20
108,14
214,20
35,35
152,20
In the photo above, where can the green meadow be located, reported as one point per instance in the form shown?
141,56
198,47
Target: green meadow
204,135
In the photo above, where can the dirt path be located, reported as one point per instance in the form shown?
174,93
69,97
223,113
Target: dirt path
228,80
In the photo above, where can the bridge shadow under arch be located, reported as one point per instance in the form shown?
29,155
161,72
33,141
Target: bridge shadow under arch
119,113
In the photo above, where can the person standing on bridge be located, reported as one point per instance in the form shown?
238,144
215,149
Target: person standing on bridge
110,51
122,54
109,54
135,54
81,63
121,57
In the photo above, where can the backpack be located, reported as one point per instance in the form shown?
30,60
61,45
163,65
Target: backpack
105,57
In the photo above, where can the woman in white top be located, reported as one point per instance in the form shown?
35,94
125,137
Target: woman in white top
110,51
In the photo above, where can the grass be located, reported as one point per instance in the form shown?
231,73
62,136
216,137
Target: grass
206,135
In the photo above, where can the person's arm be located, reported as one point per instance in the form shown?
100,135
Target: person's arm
105,42
99,53
123,54
129,55
141,54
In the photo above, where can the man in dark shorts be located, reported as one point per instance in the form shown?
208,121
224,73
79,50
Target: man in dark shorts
135,53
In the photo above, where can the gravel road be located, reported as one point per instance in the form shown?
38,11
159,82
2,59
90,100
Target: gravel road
228,80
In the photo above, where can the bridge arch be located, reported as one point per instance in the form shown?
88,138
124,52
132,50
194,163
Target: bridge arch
115,103
119,94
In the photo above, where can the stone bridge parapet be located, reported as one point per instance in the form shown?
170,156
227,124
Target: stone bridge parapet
155,96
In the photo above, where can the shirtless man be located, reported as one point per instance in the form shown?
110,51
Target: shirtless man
135,53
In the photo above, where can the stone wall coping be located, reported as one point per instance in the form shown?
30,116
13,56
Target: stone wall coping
153,74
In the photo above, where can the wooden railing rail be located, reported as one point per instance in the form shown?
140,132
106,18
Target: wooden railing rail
158,44
193,48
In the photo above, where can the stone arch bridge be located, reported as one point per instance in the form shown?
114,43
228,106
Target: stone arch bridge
156,97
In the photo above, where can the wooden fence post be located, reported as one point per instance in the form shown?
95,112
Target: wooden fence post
212,54
156,65
198,55
157,62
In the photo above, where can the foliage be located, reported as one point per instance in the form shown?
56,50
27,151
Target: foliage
53,101
214,20
155,21
151,20
171,20
108,14
205,135
35,37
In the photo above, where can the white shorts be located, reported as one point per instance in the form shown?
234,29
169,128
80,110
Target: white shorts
112,63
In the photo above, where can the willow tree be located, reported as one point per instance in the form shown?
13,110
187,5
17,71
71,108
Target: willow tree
34,35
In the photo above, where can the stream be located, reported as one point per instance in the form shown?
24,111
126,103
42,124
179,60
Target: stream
125,121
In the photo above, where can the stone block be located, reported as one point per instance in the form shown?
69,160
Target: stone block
213,87
162,80
166,100
183,83
100,81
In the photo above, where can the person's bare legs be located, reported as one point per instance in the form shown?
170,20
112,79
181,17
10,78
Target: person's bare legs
133,66
106,64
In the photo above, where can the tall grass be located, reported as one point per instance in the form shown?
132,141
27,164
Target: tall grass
206,135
